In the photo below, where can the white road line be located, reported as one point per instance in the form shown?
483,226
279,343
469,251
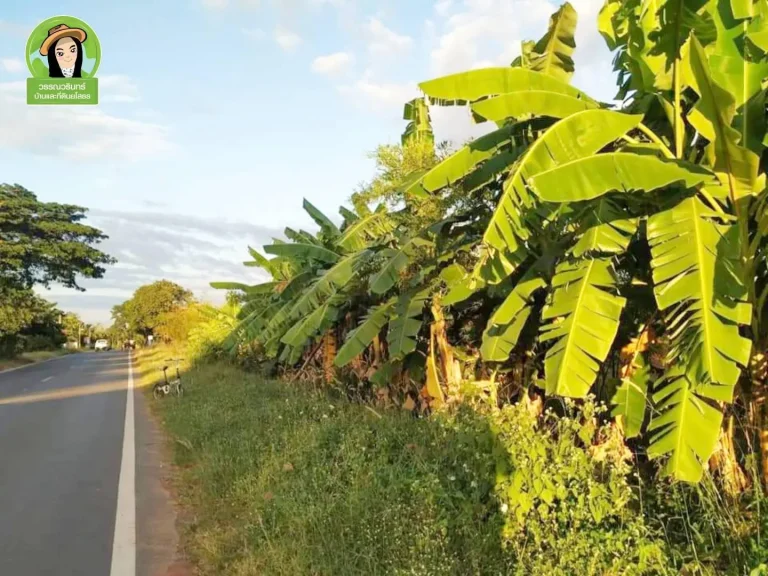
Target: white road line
124,543
46,379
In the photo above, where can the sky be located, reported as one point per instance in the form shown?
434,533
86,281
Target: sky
217,117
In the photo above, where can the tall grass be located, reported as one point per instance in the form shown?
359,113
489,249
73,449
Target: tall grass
286,482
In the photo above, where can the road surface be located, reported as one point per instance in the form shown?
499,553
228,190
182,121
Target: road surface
69,470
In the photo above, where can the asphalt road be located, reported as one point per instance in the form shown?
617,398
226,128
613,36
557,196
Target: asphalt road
61,445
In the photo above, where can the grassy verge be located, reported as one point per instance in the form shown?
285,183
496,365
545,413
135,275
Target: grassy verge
31,358
282,481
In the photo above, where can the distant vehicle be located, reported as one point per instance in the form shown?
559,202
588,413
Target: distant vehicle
101,345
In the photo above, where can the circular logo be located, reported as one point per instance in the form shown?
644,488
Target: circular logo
63,47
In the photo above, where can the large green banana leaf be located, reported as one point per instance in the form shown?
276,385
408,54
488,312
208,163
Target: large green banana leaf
259,261
735,166
274,327
697,278
297,284
361,233
266,288
475,84
583,321
577,136
686,430
460,283
630,399
628,26
348,215
676,20
302,252
325,223
489,170
505,324
589,178
360,338
335,278
553,54
526,53
739,73
405,323
606,228
249,327
526,103
308,326
461,162
757,29
419,129
300,237
397,260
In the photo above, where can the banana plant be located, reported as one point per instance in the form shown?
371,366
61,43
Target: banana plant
676,169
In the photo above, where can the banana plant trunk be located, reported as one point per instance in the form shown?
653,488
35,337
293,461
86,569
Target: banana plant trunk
725,460
449,366
329,355
760,408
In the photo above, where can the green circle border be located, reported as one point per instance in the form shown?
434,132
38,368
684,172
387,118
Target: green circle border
70,21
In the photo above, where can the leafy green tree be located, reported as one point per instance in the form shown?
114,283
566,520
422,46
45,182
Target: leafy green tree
25,316
41,242
144,312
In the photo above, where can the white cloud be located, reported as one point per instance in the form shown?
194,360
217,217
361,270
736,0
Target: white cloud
482,33
286,39
151,246
332,63
380,96
216,4
79,132
12,65
487,32
442,7
385,41
117,88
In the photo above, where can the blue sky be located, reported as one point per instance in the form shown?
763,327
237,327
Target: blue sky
218,116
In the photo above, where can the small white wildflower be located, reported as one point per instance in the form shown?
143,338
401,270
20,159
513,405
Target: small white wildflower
504,508
451,478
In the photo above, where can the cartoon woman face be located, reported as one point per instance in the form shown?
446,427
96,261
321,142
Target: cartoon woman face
64,50
66,53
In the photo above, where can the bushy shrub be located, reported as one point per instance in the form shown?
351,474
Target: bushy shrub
11,346
564,488
38,342
707,531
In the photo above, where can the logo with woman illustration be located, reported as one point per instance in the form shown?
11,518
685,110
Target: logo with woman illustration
63,55
64,49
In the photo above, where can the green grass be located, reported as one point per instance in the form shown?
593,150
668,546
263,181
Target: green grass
31,358
278,480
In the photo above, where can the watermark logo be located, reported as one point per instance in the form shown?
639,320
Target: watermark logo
63,55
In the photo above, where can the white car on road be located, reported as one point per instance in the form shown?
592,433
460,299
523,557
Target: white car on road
101,345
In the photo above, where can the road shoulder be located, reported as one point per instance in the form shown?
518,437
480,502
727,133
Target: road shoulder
27,360
158,550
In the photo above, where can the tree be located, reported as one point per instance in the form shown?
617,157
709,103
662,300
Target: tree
143,313
41,242
25,316
73,327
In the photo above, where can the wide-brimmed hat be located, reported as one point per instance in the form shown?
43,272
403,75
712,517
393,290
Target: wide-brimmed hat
61,31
